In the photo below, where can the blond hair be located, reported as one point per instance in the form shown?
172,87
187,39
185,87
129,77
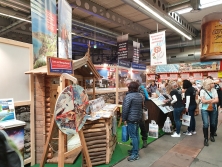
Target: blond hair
170,86
206,83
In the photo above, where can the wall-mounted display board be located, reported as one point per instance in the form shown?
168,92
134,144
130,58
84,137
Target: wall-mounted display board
15,59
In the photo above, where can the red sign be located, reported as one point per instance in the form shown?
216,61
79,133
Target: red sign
59,65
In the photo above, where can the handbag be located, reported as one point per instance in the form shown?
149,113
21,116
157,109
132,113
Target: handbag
186,120
153,129
125,133
210,106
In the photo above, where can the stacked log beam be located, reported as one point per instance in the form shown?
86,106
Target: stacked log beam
48,115
39,115
99,140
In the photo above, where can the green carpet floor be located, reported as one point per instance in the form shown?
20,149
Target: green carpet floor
121,152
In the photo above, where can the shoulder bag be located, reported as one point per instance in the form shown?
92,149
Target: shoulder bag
210,106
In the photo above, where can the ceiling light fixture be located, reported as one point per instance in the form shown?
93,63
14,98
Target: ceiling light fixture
206,3
148,9
14,17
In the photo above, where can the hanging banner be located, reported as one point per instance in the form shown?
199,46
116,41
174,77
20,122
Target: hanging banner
150,77
197,76
174,76
219,74
122,47
213,74
65,30
136,52
185,75
158,48
44,30
163,76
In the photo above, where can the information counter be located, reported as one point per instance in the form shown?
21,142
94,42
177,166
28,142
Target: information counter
154,113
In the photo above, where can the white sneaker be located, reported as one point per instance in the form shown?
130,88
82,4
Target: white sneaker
187,133
194,132
175,135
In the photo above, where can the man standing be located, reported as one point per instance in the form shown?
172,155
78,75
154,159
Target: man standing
143,131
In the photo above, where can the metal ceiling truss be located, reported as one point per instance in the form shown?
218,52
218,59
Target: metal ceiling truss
101,12
160,7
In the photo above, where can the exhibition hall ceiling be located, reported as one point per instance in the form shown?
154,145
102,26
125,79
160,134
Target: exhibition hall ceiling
104,20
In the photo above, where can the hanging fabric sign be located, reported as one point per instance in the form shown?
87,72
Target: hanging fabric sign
122,47
185,75
150,77
197,76
163,76
158,48
213,74
219,74
65,29
136,52
44,30
174,76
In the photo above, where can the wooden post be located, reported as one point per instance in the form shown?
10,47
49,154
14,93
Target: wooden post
84,149
94,92
117,85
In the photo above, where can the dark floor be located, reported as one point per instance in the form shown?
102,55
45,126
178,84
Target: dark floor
181,152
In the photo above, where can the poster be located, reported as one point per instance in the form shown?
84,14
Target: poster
7,109
64,30
136,51
71,109
139,75
16,134
122,47
44,30
124,75
158,48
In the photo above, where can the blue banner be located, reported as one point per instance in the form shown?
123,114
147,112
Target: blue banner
44,30
138,66
123,63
